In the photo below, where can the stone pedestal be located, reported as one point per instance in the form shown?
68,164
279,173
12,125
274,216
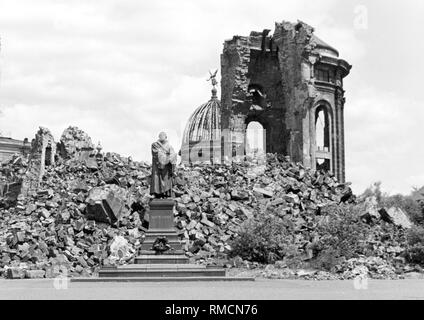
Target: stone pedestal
161,214
171,265
161,224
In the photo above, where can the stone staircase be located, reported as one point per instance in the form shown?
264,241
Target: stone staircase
171,265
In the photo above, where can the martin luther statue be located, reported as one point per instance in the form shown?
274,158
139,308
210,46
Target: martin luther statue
164,160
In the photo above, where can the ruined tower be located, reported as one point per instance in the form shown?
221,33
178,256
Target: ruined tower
291,82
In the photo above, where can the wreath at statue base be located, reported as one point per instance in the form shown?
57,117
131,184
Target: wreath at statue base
161,245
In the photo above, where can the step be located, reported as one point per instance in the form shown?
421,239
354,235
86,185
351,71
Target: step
166,253
174,246
158,259
172,272
162,231
161,266
160,279
174,243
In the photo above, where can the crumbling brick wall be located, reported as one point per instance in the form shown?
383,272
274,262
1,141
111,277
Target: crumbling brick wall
43,150
75,143
272,80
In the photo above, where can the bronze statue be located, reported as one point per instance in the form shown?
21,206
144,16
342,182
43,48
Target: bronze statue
164,161
212,78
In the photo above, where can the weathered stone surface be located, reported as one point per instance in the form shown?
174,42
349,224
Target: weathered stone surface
9,192
13,149
49,229
266,193
42,155
35,274
281,80
414,275
15,273
396,216
120,250
91,163
106,204
75,143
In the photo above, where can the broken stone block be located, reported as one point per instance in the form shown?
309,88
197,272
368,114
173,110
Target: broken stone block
239,195
292,198
52,271
264,192
185,199
120,250
191,225
207,222
79,186
91,163
44,213
30,208
64,216
246,212
34,274
106,204
414,275
15,273
396,216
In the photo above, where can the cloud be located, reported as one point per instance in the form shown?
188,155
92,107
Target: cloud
125,70
383,141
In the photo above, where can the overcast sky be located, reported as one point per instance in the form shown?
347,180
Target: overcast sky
124,70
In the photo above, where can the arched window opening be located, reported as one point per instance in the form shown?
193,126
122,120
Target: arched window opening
322,139
322,129
48,156
255,139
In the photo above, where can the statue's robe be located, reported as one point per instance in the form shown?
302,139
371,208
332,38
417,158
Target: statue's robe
164,160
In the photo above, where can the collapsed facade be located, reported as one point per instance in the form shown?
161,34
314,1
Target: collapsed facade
10,147
291,83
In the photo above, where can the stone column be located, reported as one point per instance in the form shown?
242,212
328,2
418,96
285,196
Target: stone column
42,161
339,135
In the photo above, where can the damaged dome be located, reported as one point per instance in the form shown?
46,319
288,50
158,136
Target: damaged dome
205,122
202,134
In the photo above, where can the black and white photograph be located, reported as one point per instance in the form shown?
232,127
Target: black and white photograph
211,150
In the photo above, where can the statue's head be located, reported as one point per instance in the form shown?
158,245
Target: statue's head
162,137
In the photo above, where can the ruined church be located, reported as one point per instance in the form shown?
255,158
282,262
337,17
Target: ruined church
289,82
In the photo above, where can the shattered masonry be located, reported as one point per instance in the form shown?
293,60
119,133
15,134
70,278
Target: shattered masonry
9,147
288,82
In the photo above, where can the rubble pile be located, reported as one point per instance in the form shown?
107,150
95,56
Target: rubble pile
87,210
214,200
73,142
50,229
64,224
11,181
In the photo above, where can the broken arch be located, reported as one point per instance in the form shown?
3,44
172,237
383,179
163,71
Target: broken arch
323,137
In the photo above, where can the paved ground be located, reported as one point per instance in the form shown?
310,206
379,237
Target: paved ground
260,289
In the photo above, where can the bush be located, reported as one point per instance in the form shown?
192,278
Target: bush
415,249
264,238
342,235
